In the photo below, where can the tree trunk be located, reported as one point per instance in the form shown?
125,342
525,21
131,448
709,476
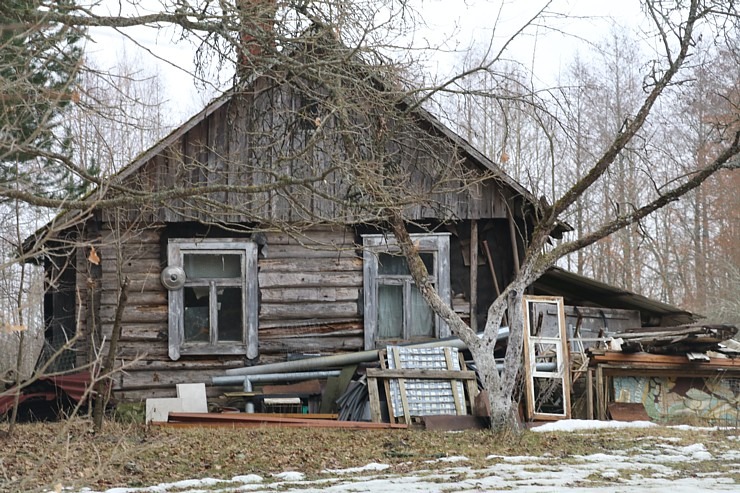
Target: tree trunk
102,385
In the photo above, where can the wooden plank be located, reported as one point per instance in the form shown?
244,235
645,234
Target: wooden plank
269,311
152,333
284,423
459,400
136,298
300,294
138,282
221,364
370,302
646,360
514,243
600,394
324,279
341,264
470,385
314,328
299,251
474,274
421,374
311,345
624,411
590,393
402,389
135,314
372,390
330,235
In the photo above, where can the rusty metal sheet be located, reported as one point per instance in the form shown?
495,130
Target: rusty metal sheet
248,419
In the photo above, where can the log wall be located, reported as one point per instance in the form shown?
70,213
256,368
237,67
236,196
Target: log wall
310,292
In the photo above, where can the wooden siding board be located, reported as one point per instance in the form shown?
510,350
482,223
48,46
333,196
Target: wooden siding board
253,138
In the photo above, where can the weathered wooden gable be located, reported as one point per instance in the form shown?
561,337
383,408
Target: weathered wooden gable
268,134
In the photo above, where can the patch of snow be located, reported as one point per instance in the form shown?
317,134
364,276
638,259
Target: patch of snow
514,458
589,424
373,466
247,479
454,458
290,476
605,458
611,474
693,428
190,483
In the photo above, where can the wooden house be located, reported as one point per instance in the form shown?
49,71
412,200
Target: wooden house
284,256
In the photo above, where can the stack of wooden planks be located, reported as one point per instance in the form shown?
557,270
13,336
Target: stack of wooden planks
675,340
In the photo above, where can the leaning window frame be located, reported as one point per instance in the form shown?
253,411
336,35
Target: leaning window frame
176,250
437,243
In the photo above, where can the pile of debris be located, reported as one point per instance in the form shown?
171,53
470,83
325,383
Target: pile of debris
425,384
669,374
685,339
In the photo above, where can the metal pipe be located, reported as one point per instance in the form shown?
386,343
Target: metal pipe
248,380
273,377
345,359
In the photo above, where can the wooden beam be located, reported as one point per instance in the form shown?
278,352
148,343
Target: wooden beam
422,374
473,274
514,245
372,390
646,360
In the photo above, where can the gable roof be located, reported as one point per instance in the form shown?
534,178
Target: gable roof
460,143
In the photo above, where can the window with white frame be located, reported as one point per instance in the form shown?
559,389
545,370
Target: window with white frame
216,309
394,309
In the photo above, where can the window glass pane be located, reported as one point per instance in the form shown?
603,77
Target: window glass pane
212,266
396,265
230,314
196,318
428,259
390,312
422,317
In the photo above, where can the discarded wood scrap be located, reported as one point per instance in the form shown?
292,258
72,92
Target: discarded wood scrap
675,340
262,419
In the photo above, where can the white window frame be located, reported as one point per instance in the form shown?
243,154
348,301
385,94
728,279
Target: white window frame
437,243
176,250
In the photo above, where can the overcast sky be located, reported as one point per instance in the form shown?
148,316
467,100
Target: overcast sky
452,24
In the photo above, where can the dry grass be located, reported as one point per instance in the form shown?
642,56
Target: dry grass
42,455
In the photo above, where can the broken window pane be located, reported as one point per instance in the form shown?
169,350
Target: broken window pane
196,314
230,314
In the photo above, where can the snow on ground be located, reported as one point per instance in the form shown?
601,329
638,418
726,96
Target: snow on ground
650,466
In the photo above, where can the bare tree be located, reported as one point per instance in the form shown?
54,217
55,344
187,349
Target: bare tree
677,24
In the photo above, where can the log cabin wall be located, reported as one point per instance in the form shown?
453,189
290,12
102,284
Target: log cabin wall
310,294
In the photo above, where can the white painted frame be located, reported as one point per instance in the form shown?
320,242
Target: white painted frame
249,345
437,243
561,372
